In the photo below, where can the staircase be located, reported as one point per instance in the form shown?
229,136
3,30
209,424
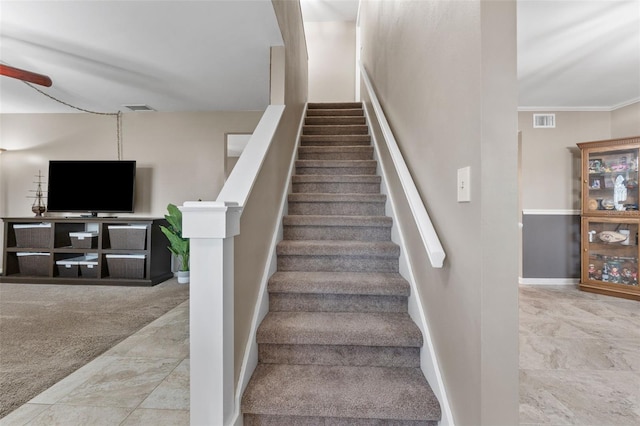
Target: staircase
337,346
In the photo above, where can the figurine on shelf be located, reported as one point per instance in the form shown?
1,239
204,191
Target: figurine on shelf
598,276
614,272
38,206
592,271
619,193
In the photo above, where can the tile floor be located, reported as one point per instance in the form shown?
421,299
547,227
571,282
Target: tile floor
579,358
579,365
144,380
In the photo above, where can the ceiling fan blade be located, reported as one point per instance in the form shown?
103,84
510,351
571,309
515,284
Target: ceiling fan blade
23,75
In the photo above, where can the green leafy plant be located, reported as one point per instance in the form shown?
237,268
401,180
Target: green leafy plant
179,246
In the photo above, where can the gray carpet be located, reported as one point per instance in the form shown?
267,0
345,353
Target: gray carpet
49,331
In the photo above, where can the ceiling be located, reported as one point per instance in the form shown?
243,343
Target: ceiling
170,55
214,55
578,54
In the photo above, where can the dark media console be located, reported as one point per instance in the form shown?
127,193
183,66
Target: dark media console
117,251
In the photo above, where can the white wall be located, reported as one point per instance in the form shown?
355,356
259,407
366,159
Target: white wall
180,156
332,65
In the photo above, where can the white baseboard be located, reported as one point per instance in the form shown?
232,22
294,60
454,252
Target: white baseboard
551,212
548,281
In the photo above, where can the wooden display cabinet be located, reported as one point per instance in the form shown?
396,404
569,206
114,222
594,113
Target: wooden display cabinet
610,217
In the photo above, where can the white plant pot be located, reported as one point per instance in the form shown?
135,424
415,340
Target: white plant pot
183,277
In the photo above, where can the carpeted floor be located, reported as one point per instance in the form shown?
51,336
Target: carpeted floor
49,331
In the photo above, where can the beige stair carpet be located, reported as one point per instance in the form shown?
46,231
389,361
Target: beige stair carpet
338,346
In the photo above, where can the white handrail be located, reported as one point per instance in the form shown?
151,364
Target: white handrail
425,227
239,183
211,227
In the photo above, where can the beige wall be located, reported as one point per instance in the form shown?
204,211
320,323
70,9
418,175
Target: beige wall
445,73
625,122
551,160
332,65
180,156
260,216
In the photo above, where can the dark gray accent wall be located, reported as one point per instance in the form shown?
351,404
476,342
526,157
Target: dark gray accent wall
551,246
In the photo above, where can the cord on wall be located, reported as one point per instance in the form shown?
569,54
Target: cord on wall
118,116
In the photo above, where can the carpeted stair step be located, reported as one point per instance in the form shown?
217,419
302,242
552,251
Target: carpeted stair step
339,395
328,184
321,338
336,167
334,105
269,420
337,204
347,129
297,299
354,355
363,283
338,256
334,140
339,328
330,112
334,120
335,153
336,227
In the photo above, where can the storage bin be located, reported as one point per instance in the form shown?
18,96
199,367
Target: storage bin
32,263
127,237
88,266
126,265
83,239
67,268
33,235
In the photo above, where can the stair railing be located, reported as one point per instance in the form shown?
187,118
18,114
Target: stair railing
211,227
432,244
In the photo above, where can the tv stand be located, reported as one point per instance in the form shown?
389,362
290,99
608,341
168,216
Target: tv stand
56,245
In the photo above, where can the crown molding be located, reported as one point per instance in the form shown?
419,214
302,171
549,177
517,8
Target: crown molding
578,109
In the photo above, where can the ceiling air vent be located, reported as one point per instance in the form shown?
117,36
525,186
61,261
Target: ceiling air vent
139,108
544,121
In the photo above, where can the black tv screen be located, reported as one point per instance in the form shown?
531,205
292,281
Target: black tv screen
91,186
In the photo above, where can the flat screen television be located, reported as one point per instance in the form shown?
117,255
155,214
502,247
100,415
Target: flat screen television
91,187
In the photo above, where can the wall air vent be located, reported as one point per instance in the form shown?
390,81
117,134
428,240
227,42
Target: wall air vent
544,121
139,108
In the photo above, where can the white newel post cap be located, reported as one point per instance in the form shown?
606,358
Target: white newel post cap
210,219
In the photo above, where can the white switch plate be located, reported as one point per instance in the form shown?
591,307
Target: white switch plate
464,185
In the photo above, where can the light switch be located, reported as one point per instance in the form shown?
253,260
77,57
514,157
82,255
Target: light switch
464,185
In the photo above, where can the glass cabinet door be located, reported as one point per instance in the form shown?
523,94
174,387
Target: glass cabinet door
610,251
611,182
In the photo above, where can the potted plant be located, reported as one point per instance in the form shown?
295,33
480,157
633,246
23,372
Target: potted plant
178,245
